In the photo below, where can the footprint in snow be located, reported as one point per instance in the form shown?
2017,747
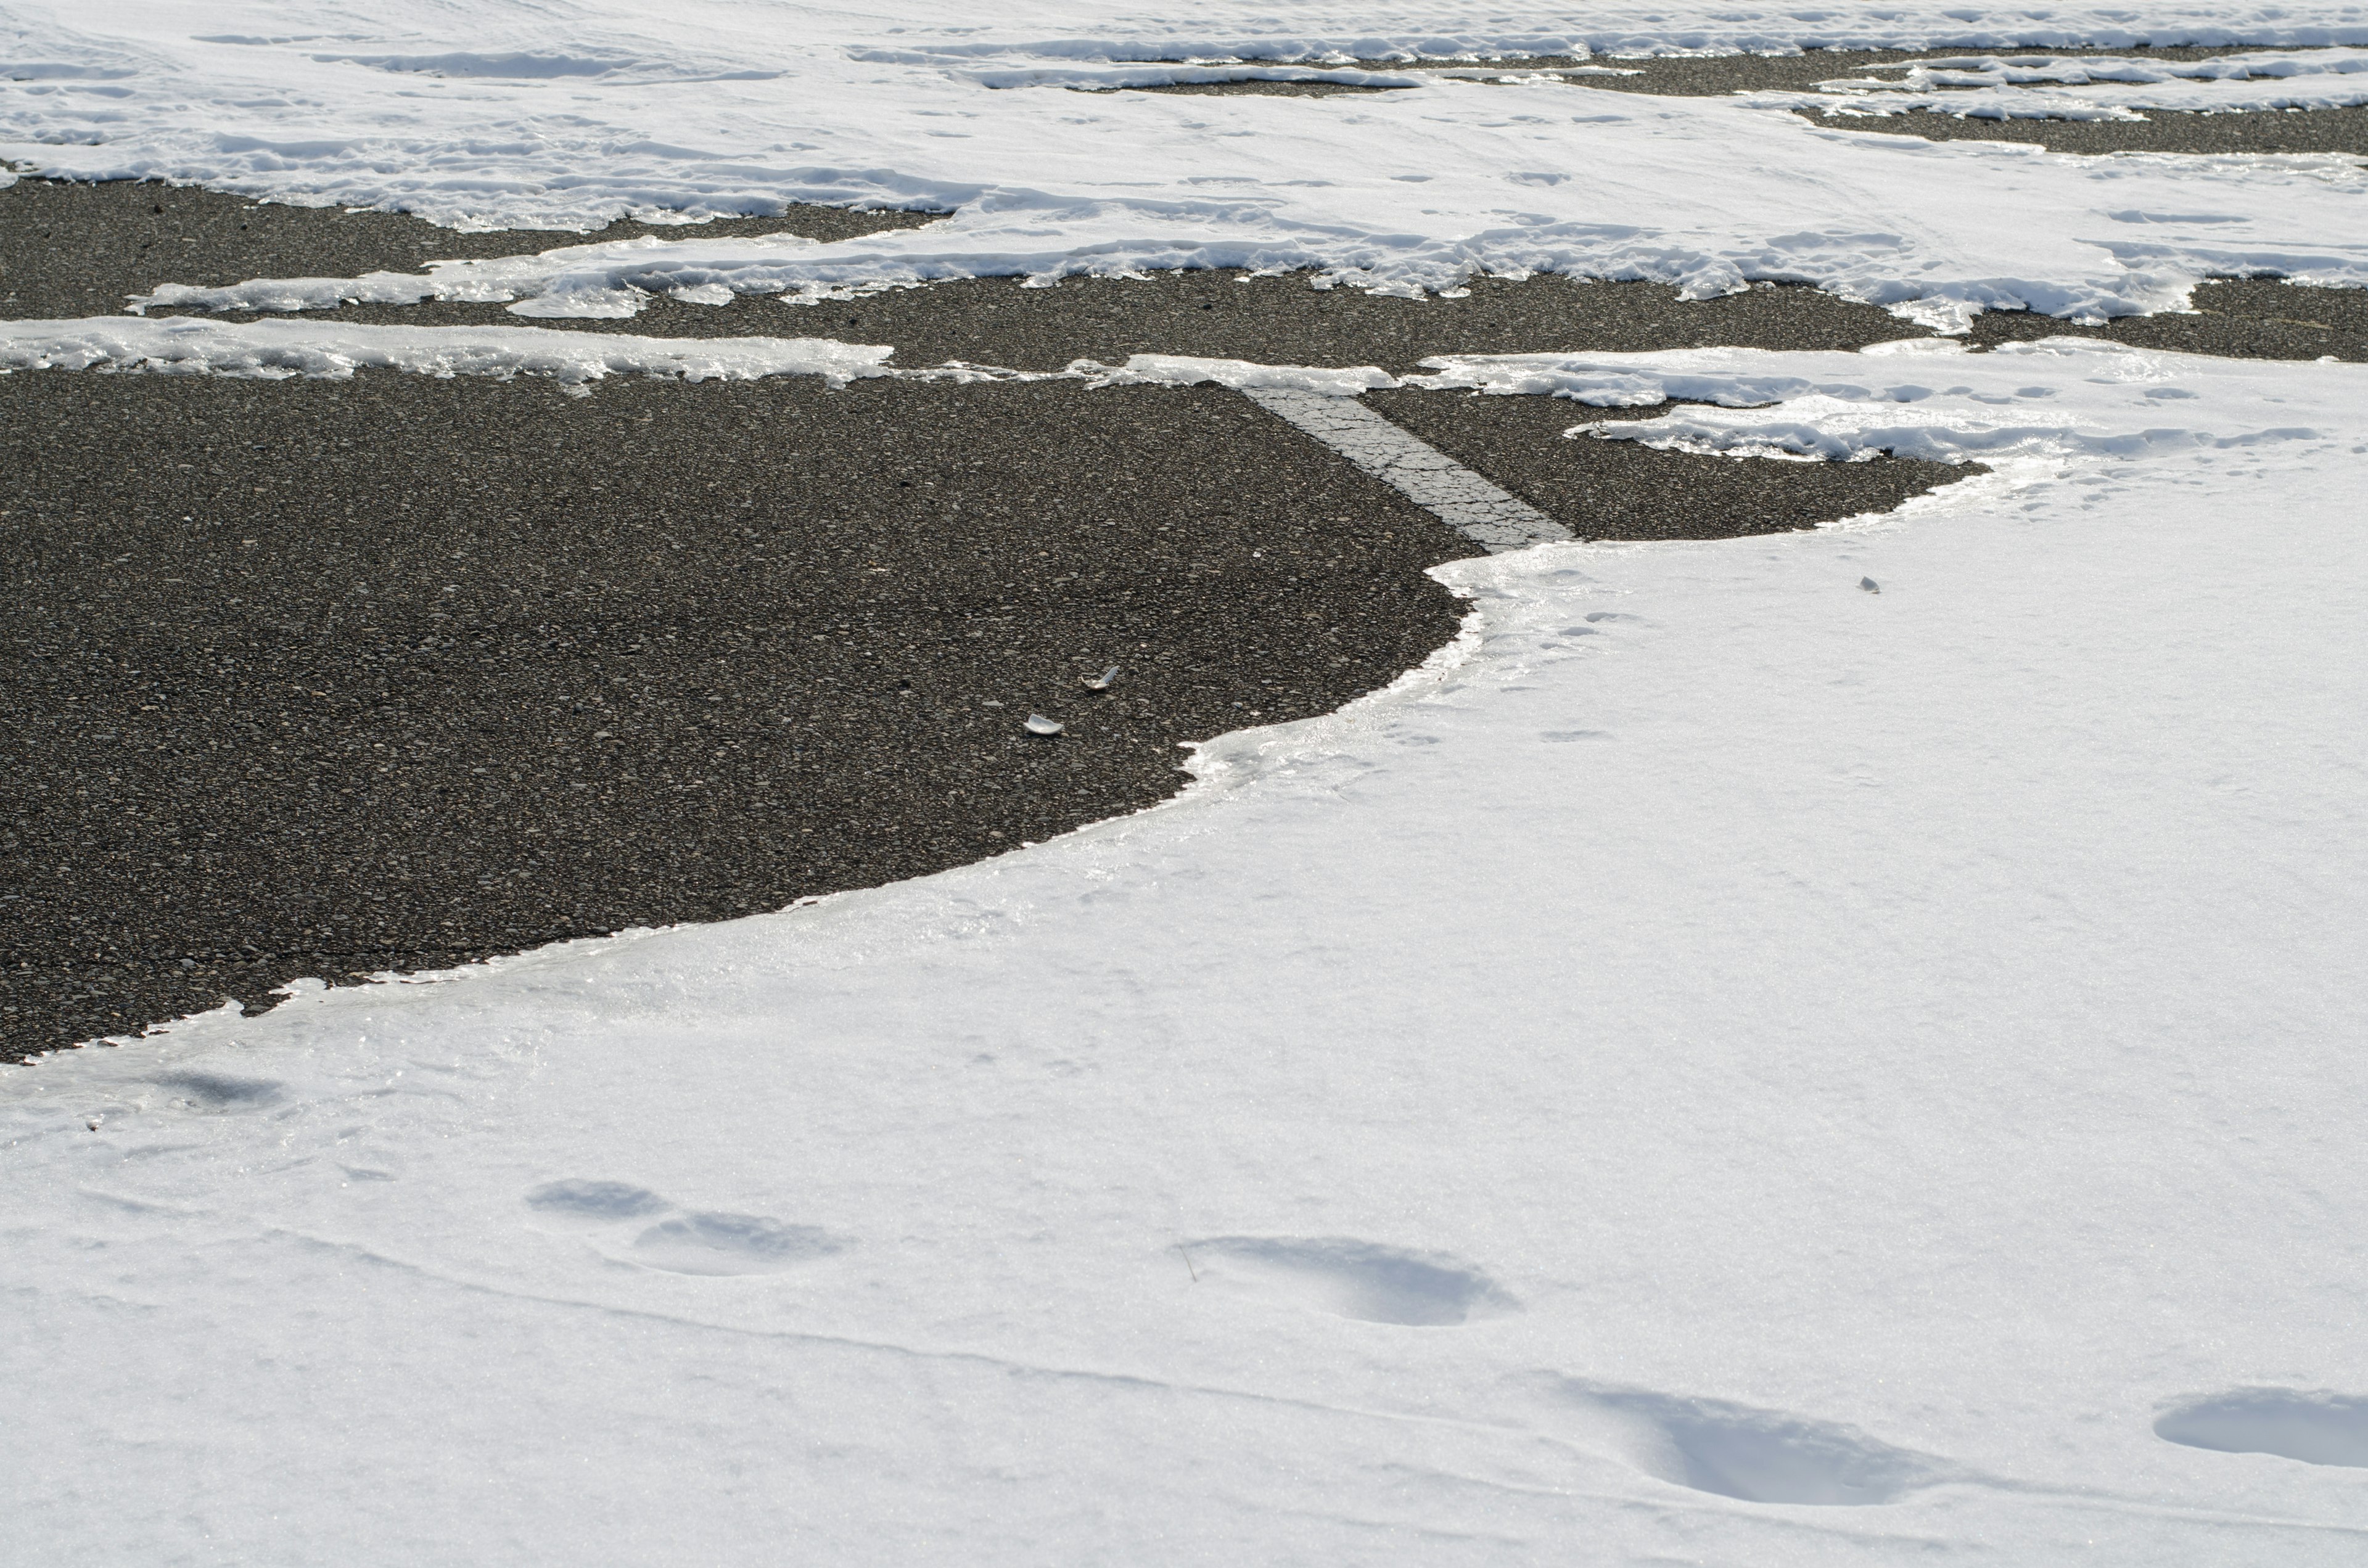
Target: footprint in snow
1754,1456
215,1091
632,1225
2316,1428
1349,1278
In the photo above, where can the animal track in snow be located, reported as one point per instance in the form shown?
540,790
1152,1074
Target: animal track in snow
682,1241
2316,1428
1351,1279
1755,1456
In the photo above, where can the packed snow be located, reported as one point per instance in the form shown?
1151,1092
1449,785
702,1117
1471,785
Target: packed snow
1816,1049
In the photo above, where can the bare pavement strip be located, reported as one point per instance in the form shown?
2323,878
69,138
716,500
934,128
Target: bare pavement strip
329,679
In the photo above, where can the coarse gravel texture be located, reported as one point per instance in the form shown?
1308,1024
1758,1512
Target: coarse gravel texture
90,234
319,678
323,679
1686,75
1620,490
2343,131
1715,75
1228,314
2248,318
83,248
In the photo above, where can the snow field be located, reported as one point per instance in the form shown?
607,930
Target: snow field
1722,1064
702,109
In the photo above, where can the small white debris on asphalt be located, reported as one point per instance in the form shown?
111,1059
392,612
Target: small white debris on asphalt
1039,725
1100,682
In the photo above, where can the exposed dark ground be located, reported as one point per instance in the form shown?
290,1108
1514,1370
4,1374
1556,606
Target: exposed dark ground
315,679
2266,130
81,249
999,321
2276,130
1606,490
1715,76
310,678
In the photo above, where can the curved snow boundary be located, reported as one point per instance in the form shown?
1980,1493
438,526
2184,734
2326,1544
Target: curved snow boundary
2062,396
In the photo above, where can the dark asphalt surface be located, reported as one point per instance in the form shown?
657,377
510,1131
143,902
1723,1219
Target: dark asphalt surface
2271,131
82,249
47,270
1619,490
315,679
312,678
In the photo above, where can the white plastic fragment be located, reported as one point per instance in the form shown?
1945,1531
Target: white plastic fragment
1039,725
1102,682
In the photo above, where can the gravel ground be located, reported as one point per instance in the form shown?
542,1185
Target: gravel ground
100,232
1618,490
308,678
2271,131
81,249
323,679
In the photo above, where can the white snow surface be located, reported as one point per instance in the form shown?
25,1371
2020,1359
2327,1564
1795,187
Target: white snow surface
519,113
278,349
1816,1050
1722,1065
2025,86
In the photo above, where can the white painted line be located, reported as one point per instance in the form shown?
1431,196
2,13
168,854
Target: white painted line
1425,475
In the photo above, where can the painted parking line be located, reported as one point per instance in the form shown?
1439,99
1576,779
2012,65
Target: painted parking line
1462,499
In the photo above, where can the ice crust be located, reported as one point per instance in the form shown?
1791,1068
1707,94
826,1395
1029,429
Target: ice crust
521,115
1719,1065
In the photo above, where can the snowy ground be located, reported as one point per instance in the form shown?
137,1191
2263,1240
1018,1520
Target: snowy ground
1803,1050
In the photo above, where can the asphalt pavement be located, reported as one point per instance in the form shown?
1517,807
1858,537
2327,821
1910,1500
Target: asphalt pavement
316,678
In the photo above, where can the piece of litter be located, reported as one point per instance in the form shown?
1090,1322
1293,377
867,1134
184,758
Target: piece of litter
1039,725
1870,584
1100,682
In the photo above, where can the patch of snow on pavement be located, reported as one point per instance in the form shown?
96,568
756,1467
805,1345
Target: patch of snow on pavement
1719,1065
275,349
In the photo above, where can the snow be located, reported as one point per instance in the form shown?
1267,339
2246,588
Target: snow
1714,1048
2086,88
521,115
276,350
1816,1049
